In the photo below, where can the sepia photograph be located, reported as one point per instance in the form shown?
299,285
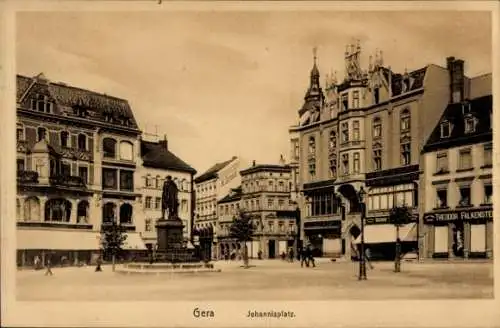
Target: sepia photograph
272,155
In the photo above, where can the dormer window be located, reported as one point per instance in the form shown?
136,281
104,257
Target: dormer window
470,125
445,129
406,84
466,108
42,104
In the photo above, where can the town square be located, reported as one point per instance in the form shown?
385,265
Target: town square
253,156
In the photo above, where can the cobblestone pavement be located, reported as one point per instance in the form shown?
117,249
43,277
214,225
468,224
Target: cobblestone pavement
265,280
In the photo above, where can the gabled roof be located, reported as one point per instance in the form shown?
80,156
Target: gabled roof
480,109
68,97
157,156
233,196
211,173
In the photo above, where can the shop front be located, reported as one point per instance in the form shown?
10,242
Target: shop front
466,233
325,237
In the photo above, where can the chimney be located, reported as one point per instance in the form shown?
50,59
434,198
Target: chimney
164,143
253,164
457,79
282,160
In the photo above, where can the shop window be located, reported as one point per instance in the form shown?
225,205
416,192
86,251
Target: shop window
488,194
406,153
442,162
464,196
458,239
355,130
488,154
442,198
147,202
465,159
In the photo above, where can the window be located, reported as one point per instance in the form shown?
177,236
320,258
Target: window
281,203
345,164
377,159
344,102
20,164
126,151
109,147
470,125
344,132
312,169
442,162
406,154
82,142
405,120
41,104
296,149
355,99
42,134
312,146
355,162
270,203
65,169
83,172
377,128
147,203
19,132
466,109
465,160
445,129
464,196
488,193
148,225
157,183
488,154
271,226
333,168
355,130
109,179
281,186
64,139
376,95
157,203
442,198
333,141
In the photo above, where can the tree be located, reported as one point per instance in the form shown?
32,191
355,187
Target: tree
242,230
399,216
114,237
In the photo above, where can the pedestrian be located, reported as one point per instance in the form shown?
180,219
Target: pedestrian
36,262
48,266
259,254
290,255
303,258
310,255
368,258
98,267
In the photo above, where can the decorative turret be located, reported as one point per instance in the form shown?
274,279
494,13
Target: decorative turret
313,100
352,62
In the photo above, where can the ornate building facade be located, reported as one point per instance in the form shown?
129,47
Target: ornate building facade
456,182
365,131
77,153
158,162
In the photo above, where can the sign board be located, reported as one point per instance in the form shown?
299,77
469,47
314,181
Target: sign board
464,215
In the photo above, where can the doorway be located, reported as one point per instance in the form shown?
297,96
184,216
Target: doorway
272,249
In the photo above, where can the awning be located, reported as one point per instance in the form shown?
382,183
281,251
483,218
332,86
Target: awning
134,241
57,239
386,233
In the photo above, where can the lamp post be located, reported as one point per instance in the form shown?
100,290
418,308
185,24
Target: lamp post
362,262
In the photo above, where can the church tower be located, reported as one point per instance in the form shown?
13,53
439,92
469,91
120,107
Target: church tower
314,98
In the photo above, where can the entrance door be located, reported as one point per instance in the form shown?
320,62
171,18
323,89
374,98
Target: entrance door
272,249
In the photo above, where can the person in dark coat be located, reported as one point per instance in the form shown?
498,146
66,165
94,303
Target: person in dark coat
304,258
48,266
310,256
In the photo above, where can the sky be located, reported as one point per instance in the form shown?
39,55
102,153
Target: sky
220,84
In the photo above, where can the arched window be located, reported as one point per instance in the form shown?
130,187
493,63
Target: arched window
333,140
312,146
126,214
405,120
32,209
377,128
42,134
64,139
82,142
82,212
126,151
58,210
109,147
109,213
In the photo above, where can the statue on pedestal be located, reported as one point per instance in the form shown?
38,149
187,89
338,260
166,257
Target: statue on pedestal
169,201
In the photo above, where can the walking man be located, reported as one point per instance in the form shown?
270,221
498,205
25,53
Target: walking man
48,265
304,258
310,255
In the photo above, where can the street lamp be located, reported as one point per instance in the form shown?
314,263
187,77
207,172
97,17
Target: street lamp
362,262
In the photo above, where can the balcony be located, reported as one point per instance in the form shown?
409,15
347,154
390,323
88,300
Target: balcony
27,177
67,181
74,153
352,144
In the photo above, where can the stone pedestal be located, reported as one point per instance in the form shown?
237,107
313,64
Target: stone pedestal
169,234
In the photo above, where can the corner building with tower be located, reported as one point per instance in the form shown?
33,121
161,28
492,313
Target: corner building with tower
365,131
